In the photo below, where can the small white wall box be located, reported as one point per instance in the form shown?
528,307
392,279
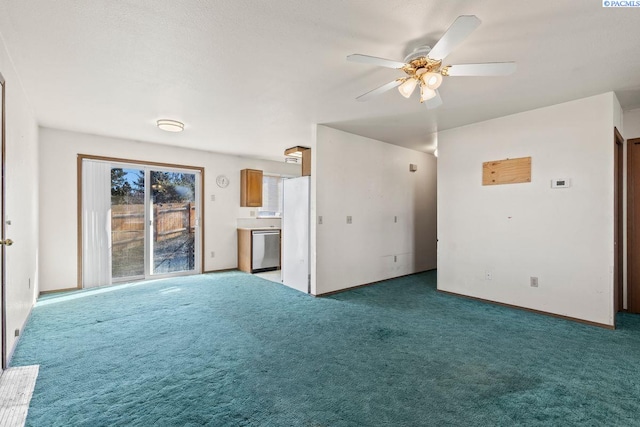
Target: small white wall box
412,167
561,183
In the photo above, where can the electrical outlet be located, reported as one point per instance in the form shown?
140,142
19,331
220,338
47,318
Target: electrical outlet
213,197
534,282
213,254
561,183
252,213
488,275
349,219
319,219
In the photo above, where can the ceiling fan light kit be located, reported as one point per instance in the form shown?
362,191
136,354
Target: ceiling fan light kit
426,93
431,80
407,88
424,67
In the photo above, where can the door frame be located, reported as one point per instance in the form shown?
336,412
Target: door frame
143,163
618,239
2,227
633,246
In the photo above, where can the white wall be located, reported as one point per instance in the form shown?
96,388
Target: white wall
631,123
562,236
58,197
370,181
21,202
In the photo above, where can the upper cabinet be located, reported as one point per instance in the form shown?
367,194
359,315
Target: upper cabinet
306,162
298,152
250,188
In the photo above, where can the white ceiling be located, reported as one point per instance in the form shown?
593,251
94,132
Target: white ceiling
253,77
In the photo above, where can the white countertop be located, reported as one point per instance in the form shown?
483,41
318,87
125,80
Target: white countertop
259,228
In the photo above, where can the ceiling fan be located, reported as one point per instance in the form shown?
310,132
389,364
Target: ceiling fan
424,67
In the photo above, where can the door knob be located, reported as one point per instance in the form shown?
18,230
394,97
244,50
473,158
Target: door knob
7,242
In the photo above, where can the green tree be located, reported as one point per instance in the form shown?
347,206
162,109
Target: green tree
120,187
117,181
137,192
172,187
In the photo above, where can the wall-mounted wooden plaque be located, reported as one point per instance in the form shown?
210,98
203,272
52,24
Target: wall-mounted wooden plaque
508,171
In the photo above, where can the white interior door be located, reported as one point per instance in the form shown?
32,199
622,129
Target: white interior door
295,233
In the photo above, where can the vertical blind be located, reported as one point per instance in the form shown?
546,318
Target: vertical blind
96,223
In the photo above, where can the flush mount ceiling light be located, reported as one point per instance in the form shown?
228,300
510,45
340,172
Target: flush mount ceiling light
295,151
170,125
424,66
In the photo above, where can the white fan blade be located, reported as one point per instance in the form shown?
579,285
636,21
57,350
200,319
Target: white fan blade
486,69
434,102
458,31
367,96
372,60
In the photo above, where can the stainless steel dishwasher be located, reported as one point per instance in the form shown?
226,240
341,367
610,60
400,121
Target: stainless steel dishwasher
265,250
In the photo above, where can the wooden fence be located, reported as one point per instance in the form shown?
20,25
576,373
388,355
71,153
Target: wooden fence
170,220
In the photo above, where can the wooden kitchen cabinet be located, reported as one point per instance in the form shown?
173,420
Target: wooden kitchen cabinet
251,188
244,250
306,162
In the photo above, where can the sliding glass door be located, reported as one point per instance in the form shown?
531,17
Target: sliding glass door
174,221
150,227
127,223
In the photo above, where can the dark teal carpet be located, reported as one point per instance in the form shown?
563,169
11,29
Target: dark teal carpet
230,349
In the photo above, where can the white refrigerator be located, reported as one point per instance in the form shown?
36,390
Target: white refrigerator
295,234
